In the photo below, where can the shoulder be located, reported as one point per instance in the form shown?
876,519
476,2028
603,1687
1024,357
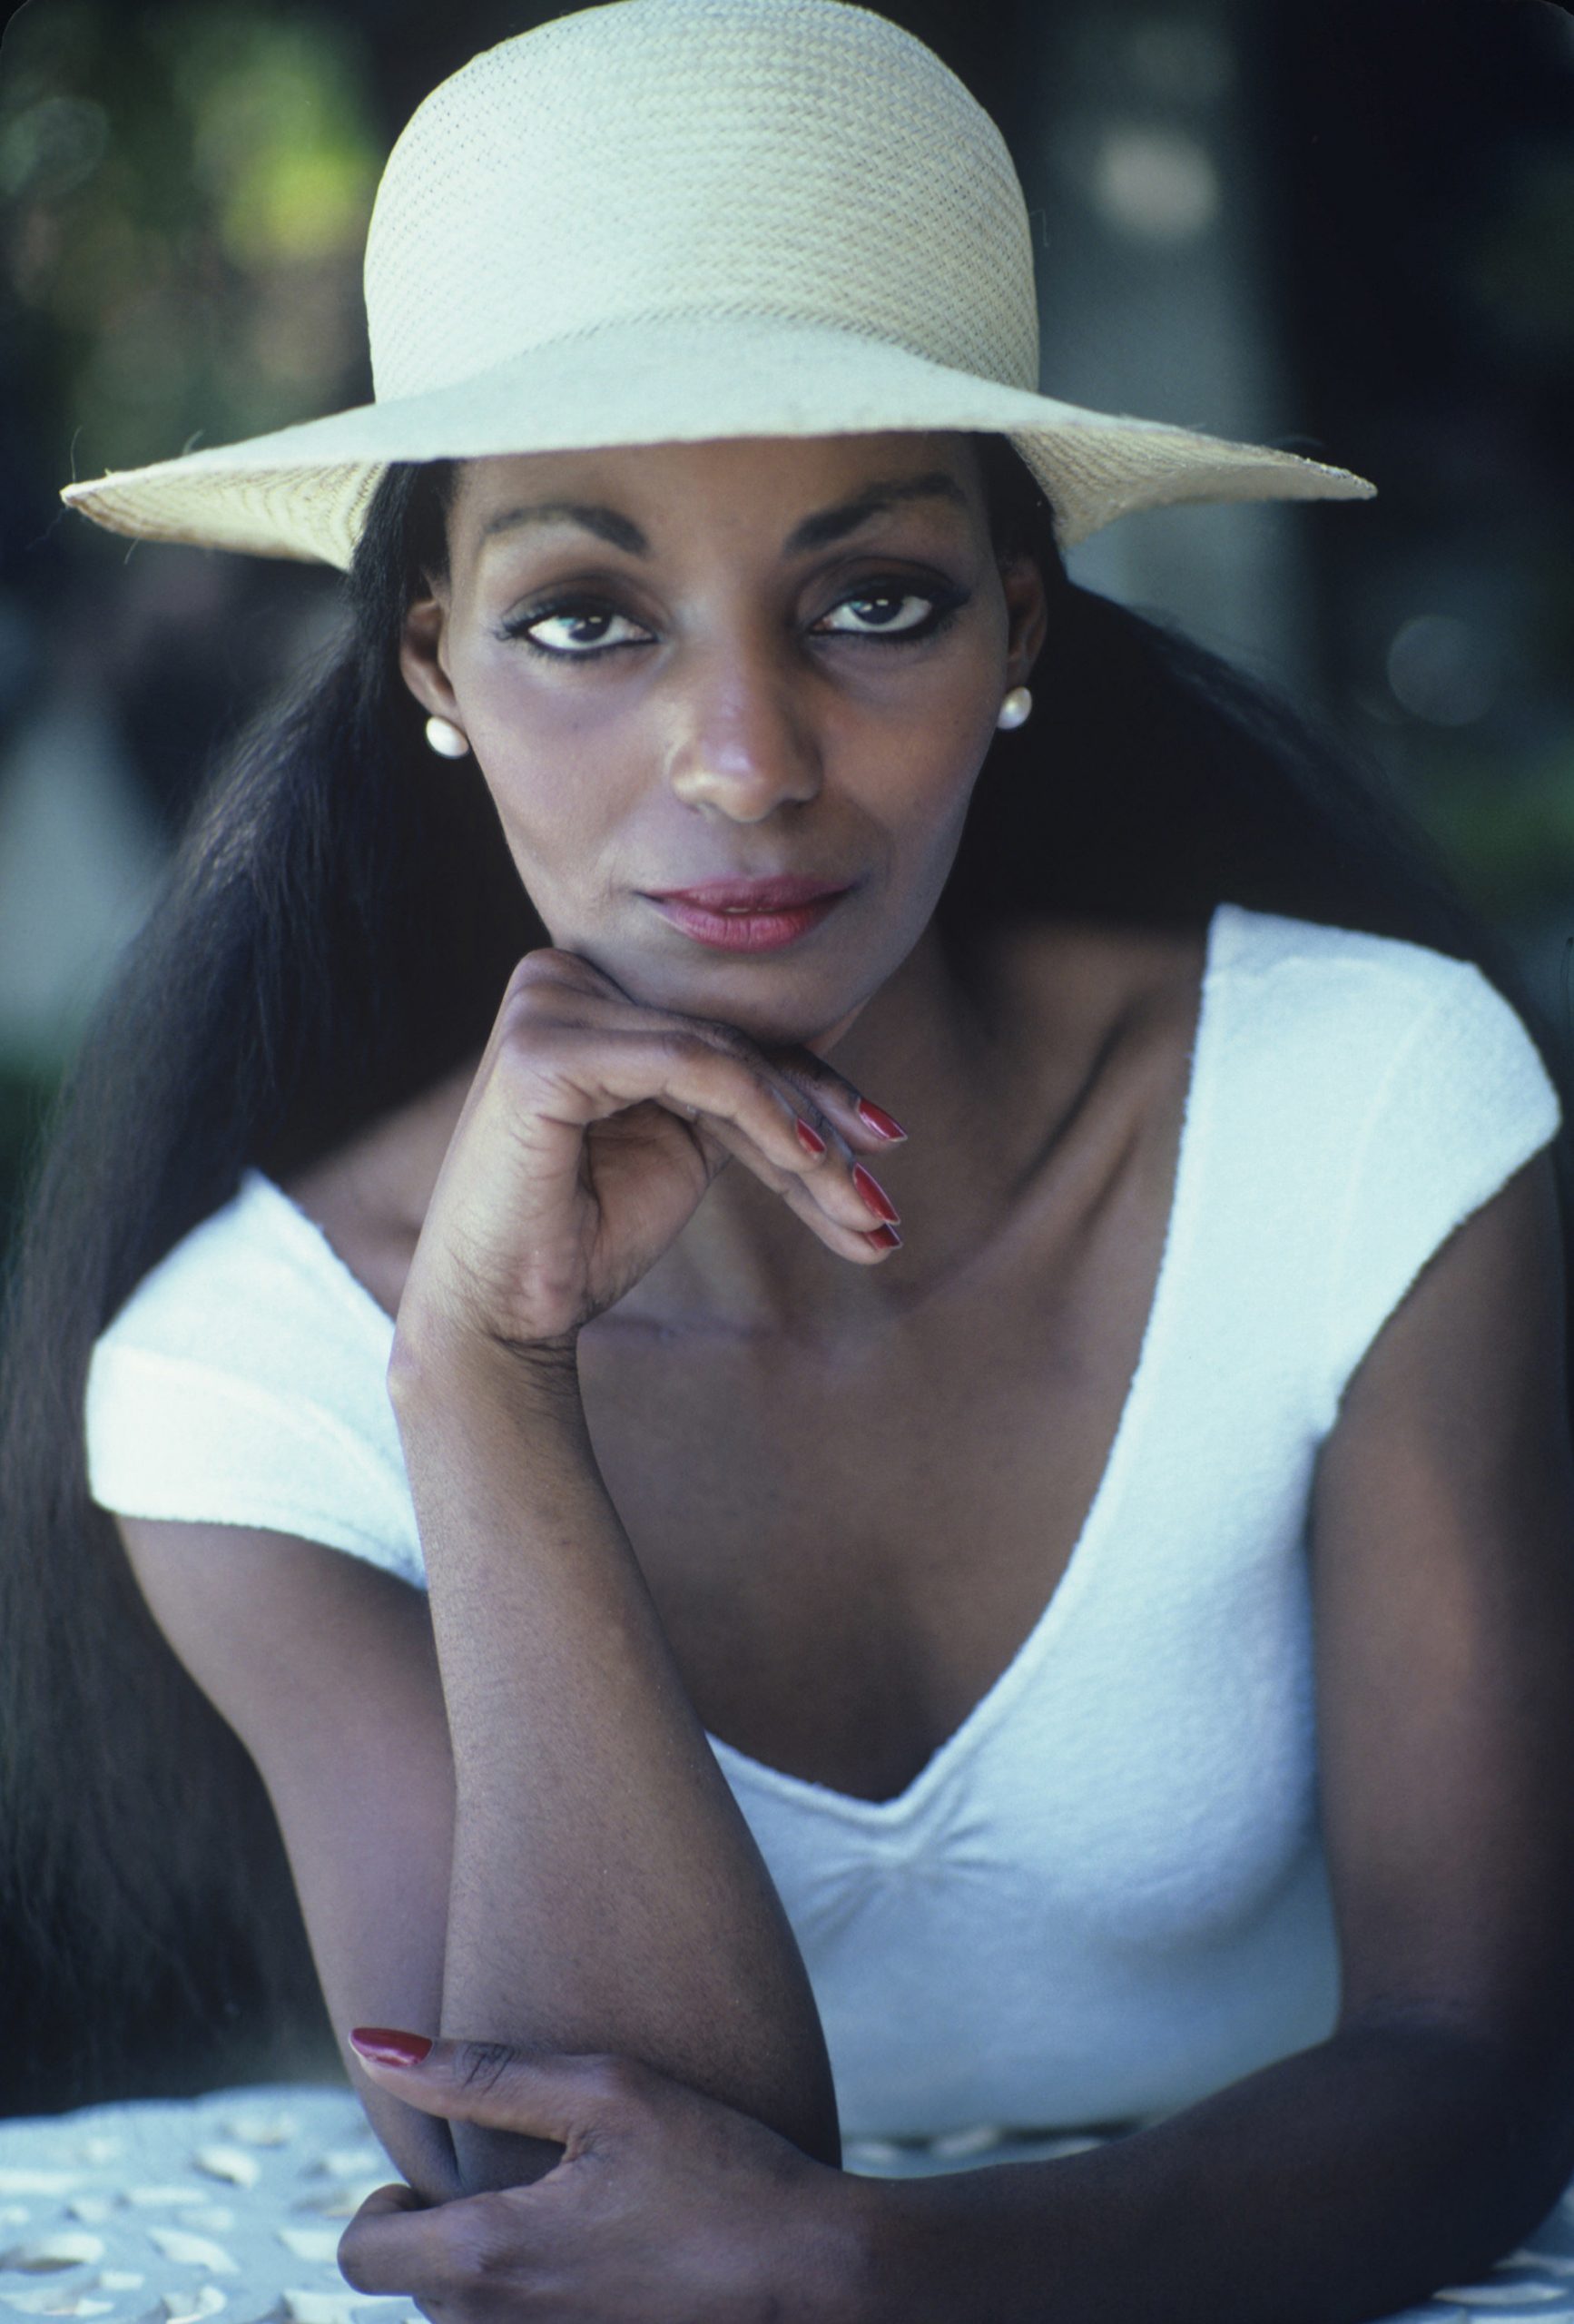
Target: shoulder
244,1384
368,1198
1376,1029
1371,1094
221,1296
1351,978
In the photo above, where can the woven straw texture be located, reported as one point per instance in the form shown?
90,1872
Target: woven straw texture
667,221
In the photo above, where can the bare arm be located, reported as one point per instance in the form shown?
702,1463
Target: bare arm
1434,2127
325,1668
606,1894
507,1822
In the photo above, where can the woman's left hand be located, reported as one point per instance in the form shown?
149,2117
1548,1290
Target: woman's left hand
665,2207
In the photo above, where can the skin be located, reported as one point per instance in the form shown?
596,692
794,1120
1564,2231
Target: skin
627,1298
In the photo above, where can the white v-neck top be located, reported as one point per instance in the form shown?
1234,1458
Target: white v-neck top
1104,1895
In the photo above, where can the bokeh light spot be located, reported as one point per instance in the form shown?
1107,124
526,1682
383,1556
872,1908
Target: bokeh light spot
1442,671
1157,186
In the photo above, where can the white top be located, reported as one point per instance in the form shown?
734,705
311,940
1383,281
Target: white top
1104,1895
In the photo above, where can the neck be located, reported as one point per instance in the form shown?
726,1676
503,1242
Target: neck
949,1059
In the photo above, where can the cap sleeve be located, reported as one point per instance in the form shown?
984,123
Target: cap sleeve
1463,1103
245,1384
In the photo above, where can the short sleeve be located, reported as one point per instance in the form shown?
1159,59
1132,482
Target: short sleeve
245,1384
1464,1101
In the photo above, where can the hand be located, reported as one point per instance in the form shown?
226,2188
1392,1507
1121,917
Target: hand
666,2208
592,1129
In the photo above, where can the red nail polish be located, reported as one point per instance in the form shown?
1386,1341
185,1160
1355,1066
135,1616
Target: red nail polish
809,1139
387,2047
884,1238
874,1195
875,1119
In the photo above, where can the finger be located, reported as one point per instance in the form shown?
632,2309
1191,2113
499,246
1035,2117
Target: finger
839,1187
542,2094
866,1125
577,1066
829,1113
435,2252
805,1193
698,1072
396,2197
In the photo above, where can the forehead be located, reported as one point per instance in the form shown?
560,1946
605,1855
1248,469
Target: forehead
769,483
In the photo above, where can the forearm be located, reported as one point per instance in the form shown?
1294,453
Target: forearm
1342,2184
607,1894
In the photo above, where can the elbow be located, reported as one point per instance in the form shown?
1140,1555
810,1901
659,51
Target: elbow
1498,2113
419,2145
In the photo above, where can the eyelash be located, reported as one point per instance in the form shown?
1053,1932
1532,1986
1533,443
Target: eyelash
945,603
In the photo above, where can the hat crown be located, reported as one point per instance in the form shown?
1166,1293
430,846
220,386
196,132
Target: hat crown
801,160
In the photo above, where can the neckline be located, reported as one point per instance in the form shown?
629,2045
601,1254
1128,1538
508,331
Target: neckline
995,1702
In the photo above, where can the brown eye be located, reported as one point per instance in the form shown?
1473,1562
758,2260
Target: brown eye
576,633
879,613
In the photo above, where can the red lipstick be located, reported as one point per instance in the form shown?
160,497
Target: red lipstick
748,915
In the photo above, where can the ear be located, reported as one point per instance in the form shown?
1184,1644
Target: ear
1026,614
422,643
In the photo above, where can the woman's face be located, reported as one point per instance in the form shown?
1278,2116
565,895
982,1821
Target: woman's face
767,661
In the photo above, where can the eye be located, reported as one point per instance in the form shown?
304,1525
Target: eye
576,630
879,613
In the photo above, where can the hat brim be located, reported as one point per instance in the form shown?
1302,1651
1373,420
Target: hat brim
302,491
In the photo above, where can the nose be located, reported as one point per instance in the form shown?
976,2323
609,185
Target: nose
742,745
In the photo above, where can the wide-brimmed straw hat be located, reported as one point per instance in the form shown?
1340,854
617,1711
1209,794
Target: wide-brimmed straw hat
673,221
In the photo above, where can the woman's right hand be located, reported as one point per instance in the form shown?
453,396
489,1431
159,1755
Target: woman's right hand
592,1129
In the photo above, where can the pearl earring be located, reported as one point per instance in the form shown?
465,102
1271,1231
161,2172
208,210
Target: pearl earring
446,739
1016,707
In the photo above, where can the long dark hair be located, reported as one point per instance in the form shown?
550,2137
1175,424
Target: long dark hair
337,930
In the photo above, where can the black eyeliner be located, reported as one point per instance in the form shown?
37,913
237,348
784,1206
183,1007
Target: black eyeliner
947,600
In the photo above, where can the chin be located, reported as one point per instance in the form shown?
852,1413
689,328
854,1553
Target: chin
774,1004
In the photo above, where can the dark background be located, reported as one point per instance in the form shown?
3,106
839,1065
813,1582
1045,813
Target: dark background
1347,228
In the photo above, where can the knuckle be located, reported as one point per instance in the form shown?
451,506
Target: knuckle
481,2065
615,2080
354,2256
729,1040
543,967
532,1005
818,1084
483,2246
549,961
684,1050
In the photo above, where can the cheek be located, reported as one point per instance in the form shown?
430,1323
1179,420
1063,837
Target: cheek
935,776
557,782
555,822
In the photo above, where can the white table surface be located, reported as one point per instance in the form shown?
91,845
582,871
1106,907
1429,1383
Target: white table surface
172,2212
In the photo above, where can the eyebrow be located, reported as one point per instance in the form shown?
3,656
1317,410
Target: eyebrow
826,526
604,522
831,524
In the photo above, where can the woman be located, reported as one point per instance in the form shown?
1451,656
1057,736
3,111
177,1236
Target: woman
1093,1653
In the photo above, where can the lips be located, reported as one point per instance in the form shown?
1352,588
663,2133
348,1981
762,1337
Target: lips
784,894
748,915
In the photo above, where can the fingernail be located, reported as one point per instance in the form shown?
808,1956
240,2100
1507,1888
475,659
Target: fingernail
884,1238
389,2047
875,1119
874,1195
809,1139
